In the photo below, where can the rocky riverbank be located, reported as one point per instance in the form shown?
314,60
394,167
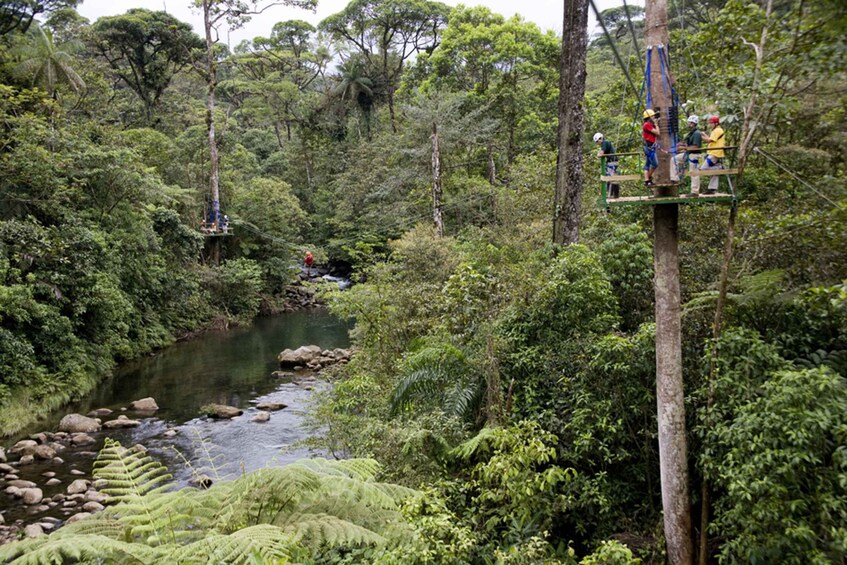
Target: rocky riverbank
43,491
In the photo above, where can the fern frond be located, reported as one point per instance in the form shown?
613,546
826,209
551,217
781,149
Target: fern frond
361,469
68,549
325,529
480,442
128,473
269,543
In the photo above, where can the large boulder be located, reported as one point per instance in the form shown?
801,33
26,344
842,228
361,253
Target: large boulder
221,411
300,356
74,423
261,417
144,405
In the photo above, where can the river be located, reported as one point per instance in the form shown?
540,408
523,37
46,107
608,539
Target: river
231,368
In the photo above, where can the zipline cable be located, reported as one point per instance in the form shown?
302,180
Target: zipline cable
773,160
612,45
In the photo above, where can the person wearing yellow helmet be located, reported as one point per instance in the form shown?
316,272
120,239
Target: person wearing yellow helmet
650,135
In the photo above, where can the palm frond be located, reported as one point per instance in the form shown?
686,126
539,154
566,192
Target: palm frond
463,401
421,383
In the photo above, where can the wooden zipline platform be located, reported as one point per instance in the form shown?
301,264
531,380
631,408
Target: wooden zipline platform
681,199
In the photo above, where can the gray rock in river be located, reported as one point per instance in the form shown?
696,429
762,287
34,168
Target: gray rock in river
92,507
33,531
26,460
44,452
3,455
6,468
73,423
82,439
53,482
300,356
144,405
221,411
19,483
120,423
271,406
32,495
78,517
24,447
79,486
261,417
99,413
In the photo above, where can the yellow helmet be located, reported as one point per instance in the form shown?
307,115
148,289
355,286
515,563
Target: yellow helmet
648,113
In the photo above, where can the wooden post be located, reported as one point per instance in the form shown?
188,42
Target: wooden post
436,183
670,395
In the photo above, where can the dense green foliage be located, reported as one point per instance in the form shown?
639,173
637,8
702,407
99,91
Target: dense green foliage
509,382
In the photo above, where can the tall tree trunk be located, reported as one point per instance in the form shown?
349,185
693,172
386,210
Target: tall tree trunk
670,395
211,84
751,123
436,183
492,166
723,283
571,123
391,109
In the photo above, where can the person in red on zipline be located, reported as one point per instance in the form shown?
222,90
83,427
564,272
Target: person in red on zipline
308,260
650,133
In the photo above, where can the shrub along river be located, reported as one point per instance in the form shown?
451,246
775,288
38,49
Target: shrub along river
232,368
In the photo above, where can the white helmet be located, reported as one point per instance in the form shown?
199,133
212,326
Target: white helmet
598,137
693,119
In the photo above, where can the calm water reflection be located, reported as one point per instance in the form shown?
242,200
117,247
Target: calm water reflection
227,368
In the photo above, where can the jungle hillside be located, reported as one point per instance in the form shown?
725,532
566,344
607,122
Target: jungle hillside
549,367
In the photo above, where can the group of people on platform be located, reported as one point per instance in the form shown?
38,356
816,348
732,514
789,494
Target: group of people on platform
690,152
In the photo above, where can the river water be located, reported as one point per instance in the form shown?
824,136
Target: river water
231,368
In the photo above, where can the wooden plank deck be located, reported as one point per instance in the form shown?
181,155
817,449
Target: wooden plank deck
619,178
681,199
711,173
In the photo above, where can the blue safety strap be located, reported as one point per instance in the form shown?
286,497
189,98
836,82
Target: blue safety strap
667,81
647,78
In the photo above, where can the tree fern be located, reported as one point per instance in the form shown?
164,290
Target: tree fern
61,549
270,515
263,541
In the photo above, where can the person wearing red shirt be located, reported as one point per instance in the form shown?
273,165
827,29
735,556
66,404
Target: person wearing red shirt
650,134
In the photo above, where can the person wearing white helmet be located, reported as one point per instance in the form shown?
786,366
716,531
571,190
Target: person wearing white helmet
606,148
690,154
